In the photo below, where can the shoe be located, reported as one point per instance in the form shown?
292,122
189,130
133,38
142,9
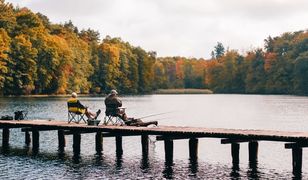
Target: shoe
97,113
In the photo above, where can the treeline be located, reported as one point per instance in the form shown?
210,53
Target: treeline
281,68
39,57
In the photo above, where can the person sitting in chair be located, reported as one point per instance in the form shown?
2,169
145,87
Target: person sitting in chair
75,106
113,108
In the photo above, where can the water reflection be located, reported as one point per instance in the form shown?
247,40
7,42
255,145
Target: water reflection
168,171
145,162
297,176
62,155
193,167
235,172
253,172
76,158
119,160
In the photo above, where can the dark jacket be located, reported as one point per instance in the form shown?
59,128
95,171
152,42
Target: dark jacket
112,103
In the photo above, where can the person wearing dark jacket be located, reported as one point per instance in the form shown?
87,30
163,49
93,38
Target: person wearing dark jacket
114,108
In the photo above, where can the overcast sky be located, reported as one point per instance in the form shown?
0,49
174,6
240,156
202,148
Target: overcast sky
188,28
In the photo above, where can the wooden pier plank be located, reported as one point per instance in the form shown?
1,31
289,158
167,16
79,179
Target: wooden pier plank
267,135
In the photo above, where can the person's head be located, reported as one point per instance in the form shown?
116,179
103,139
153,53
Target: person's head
74,95
113,92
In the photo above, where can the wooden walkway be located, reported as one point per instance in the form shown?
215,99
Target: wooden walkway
294,140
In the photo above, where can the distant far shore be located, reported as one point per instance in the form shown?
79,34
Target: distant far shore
159,91
50,95
183,91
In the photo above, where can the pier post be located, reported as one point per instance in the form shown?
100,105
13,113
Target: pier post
145,144
119,149
35,140
253,151
235,152
297,153
99,142
61,140
5,137
193,148
76,143
27,138
168,151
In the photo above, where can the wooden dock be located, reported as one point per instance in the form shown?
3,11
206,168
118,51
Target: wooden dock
293,140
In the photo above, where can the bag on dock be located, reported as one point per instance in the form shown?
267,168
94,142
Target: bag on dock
6,117
93,122
20,115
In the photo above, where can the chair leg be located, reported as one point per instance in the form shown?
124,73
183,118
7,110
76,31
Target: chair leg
107,120
82,116
72,117
119,121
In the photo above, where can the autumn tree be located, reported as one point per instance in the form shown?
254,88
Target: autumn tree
22,67
4,58
301,74
219,50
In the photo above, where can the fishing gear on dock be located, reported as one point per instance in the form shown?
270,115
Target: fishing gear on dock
20,115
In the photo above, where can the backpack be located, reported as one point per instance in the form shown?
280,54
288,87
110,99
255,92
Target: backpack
19,115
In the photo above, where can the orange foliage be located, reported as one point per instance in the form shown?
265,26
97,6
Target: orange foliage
179,69
270,58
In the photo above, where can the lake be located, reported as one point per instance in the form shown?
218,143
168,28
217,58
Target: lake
272,112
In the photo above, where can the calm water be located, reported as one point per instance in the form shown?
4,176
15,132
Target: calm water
219,111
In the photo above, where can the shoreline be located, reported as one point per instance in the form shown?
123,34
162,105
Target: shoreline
183,91
159,91
156,92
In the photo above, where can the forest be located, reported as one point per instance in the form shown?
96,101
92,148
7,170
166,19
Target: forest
40,57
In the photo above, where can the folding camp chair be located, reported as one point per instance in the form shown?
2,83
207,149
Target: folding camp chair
76,117
76,112
113,118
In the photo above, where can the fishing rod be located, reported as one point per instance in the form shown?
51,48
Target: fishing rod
151,115
159,119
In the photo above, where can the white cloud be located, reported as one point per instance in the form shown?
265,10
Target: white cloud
180,27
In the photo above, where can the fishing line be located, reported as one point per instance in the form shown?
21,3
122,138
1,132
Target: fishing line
151,115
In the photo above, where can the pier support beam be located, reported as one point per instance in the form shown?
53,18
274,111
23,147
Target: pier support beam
35,141
99,142
168,151
61,140
145,144
119,149
27,138
253,151
297,156
76,143
193,148
5,137
235,152
235,149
